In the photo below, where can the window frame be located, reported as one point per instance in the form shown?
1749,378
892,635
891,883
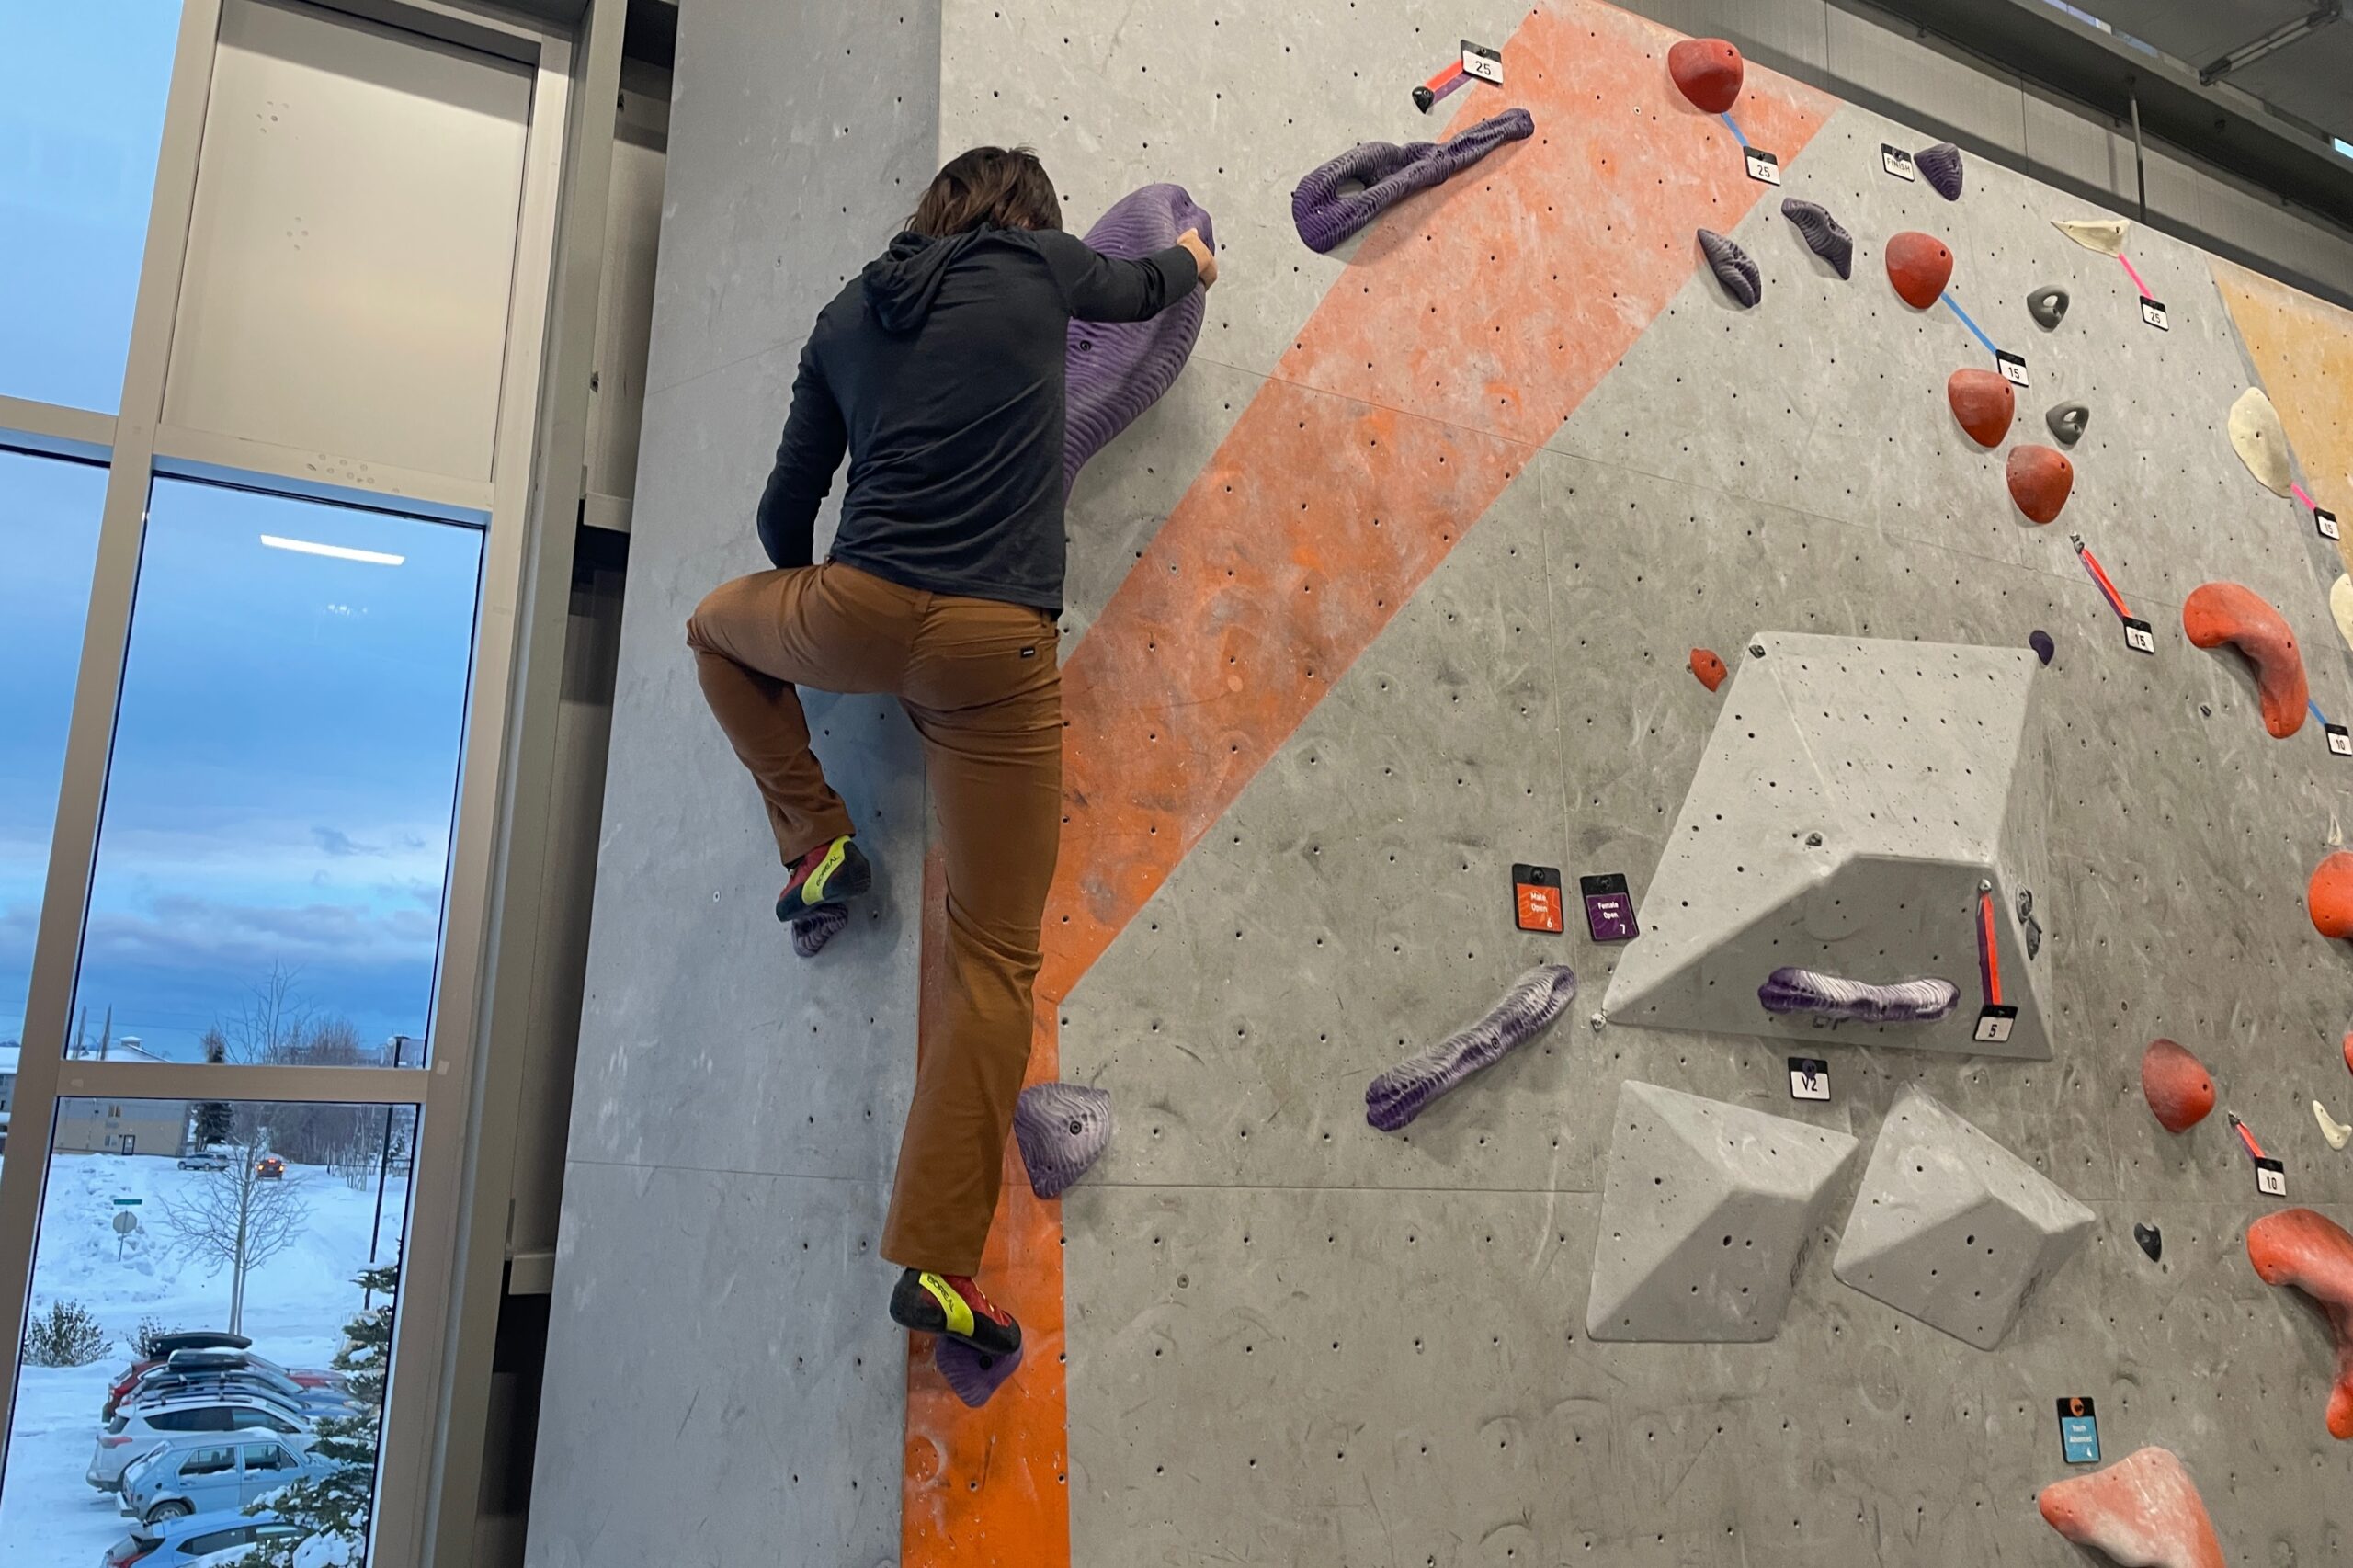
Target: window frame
438,1258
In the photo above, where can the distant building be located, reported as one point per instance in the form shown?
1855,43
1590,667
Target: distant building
122,1127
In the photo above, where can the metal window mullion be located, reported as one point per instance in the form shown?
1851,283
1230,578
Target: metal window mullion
98,682
53,428
333,477
134,1080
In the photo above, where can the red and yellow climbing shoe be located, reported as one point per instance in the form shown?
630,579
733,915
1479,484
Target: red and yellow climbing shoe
951,1305
829,874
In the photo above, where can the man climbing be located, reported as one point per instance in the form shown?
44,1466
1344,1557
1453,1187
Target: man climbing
939,370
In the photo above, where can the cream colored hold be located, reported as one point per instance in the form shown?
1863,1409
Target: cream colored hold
2340,607
2261,443
2105,235
2335,1131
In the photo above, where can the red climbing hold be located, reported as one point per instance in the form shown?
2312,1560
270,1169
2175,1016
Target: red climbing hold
1708,70
1983,403
2176,1084
2041,478
2144,1511
2328,899
2348,1052
1919,265
1711,671
2216,613
2296,1247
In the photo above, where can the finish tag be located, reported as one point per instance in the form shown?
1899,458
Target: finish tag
1762,166
2078,1430
1608,908
1535,892
1487,64
1896,161
2138,637
1809,1078
2154,313
2013,366
1995,1021
2271,1177
2324,522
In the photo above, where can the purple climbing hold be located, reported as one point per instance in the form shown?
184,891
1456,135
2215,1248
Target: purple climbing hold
1733,266
1941,164
1823,235
1387,174
972,1375
2045,648
1062,1128
1407,1090
812,931
1833,997
1117,370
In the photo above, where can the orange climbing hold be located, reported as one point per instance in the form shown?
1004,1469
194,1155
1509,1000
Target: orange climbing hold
1708,70
2144,1511
2311,1252
2176,1084
1984,403
1711,671
2041,478
2216,613
2328,899
1919,265
2348,1052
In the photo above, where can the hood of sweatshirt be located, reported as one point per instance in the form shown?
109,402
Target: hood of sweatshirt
902,282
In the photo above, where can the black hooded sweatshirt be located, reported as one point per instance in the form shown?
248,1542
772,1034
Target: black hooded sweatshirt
941,370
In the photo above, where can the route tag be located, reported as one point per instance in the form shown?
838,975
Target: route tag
1536,894
2013,366
2324,522
1809,1078
1608,908
1897,162
2271,1177
1762,166
2139,636
1487,64
2340,739
2078,1430
2154,313
1995,1021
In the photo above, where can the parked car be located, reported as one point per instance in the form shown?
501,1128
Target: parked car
200,1475
172,1345
189,1371
269,1167
212,1158
199,1540
136,1428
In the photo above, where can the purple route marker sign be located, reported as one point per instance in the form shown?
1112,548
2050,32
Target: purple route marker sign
1608,908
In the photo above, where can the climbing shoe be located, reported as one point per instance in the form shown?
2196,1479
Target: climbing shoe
831,873
951,1305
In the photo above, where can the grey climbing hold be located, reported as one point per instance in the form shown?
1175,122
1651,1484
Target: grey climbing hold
972,1375
2045,648
1062,1128
2152,1240
1823,235
1807,991
1527,1009
1705,1218
812,931
1734,267
1951,1228
2047,304
1386,173
2067,421
1942,166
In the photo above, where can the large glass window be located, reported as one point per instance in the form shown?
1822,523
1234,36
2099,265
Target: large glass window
210,1330
79,129
276,832
49,537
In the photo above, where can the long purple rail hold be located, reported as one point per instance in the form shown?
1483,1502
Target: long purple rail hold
1389,173
1407,1090
1117,370
1835,997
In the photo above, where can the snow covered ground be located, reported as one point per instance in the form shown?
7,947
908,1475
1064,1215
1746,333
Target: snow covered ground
296,1305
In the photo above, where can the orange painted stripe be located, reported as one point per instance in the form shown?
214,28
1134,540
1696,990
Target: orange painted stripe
1473,319
2303,349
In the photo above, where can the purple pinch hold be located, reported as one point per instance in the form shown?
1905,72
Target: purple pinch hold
812,931
1061,1130
972,1375
1114,370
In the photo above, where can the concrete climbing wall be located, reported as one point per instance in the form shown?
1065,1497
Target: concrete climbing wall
1393,590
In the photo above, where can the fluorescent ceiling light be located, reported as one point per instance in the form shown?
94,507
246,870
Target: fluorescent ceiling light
312,547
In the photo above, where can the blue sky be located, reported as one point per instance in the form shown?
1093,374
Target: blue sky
286,754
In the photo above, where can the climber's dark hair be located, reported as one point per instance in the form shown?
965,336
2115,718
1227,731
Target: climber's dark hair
988,187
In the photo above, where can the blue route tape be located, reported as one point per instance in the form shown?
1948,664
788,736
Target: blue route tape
1728,120
1971,324
2314,706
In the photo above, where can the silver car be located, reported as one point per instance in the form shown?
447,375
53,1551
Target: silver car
202,1475
136,1428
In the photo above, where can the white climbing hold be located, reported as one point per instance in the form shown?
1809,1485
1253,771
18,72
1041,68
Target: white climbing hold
2261,442
2105,235
2335,1131
2340,607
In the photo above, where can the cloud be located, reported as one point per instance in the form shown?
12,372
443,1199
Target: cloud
335,841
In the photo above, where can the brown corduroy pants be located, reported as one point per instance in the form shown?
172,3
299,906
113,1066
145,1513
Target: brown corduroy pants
980,681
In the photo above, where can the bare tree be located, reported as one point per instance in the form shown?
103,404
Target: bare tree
237,1218
272,1021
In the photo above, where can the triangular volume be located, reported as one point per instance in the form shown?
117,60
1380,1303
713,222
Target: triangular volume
1706,1217
1062,1128
1951,1228
1867,812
